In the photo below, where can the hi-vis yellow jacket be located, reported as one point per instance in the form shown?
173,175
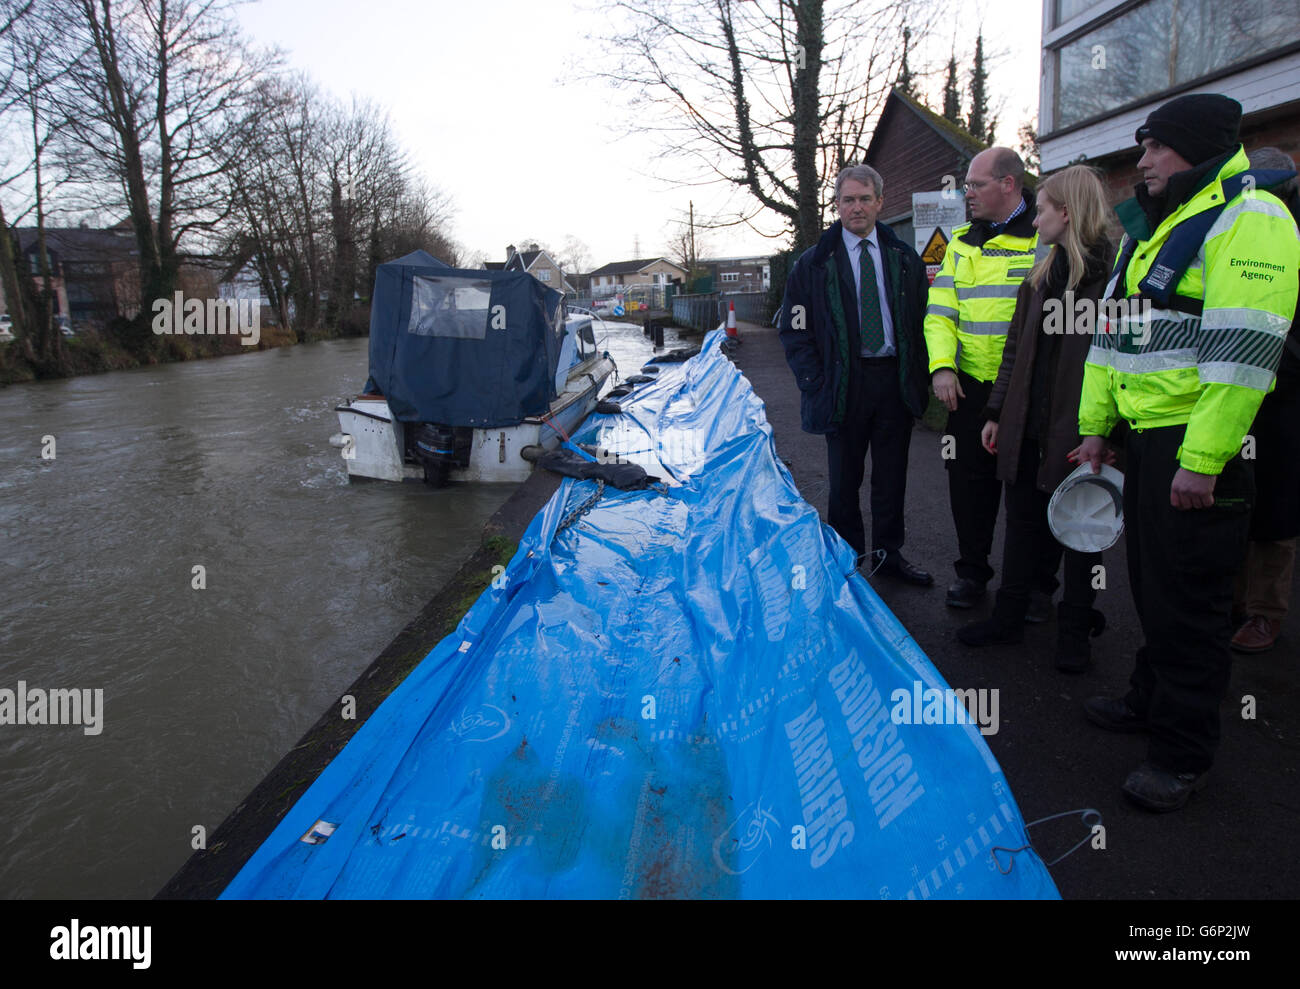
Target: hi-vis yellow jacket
974,295
1209,370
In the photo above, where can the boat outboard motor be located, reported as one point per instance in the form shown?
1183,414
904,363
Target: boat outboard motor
434,446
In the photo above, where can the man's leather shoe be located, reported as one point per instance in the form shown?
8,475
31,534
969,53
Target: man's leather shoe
1160,790
1113,714
965,593
1257,635
898,568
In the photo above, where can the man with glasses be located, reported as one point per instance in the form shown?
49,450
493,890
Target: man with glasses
972,300
851,327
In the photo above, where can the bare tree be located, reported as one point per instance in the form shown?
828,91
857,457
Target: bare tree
324,194
686,245
769,97
152,95
13,13
27,81
574,256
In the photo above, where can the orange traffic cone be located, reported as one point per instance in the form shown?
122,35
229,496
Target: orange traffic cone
731,322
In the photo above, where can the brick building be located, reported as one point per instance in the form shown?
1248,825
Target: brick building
731,275
916,150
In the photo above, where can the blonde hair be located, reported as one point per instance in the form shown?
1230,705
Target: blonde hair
1079,191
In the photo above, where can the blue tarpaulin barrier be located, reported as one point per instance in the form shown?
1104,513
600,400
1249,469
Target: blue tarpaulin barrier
684,691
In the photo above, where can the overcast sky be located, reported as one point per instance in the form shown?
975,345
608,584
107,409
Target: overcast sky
485,96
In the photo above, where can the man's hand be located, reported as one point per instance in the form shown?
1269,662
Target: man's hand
1092,450
989,437
947,388
1192,490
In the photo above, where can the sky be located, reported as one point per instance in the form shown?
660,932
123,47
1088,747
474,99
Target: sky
487,97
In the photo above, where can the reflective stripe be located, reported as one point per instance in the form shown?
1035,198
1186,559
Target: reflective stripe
942,281
1246,319
1157,360
1251,204
995,328
1225,373
1001,252
937,310
1258,348
1100,355
987,291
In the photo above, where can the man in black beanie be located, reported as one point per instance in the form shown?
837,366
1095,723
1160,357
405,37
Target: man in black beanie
1216,260
1180,140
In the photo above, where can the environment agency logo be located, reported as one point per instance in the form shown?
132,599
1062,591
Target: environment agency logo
209,317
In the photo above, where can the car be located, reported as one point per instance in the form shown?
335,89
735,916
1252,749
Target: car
6,327
65,325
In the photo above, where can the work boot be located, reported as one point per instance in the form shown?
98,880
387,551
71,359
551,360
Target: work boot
1257,635
1006,626
1075,624
1040,608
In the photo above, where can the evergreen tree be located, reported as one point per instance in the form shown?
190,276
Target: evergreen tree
906,81
951,94
1029,147
978,123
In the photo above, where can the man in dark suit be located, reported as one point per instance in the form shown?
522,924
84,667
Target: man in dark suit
851,327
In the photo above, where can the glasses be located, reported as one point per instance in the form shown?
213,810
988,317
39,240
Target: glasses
968,186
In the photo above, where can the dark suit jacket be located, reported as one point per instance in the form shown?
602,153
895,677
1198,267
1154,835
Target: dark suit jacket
821,344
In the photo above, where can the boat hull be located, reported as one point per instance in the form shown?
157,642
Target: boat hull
373,443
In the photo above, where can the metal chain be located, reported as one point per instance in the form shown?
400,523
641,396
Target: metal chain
582,509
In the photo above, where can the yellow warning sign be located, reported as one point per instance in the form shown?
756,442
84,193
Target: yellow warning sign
935,247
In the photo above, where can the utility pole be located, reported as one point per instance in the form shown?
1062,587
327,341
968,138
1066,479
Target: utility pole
690,261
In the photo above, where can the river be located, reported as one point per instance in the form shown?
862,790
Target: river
208,675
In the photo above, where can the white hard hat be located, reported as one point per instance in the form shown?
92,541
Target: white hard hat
1086,512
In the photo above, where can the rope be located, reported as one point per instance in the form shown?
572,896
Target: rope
1083,816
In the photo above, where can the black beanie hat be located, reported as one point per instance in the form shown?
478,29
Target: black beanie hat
1199,127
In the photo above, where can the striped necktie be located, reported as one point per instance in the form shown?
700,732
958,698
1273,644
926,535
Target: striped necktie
873,326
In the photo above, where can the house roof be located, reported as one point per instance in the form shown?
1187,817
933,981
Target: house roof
750,259
528,257
631,267
81,244
966,143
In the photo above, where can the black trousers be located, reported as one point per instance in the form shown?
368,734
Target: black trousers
1031,554
875,419
973,486
1181,568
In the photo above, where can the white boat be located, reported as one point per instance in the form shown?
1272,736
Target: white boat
467,369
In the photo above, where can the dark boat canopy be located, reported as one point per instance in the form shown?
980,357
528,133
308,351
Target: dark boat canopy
462,347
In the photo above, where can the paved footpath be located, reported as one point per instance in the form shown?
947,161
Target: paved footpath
1235,839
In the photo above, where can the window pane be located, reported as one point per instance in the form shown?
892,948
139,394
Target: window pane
1162,44
1212,35
1067,9
449,307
